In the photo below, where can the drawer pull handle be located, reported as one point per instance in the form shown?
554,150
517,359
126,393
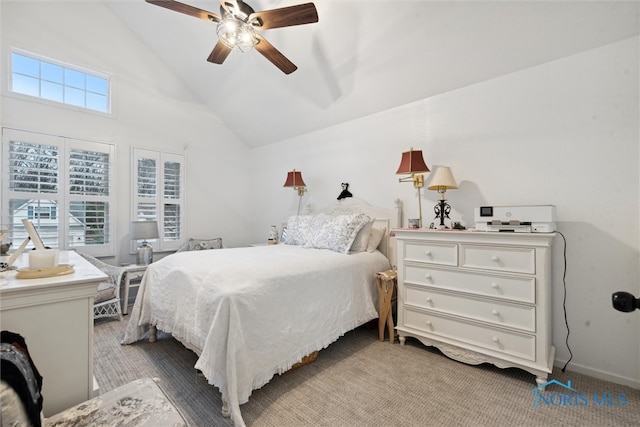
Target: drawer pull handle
427,253
495,339
495,258
495,285
428,323
428,277
429,300
495,312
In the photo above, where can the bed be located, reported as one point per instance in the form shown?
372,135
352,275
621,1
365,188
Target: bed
251,313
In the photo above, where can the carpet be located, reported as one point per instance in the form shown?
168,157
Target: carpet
360,381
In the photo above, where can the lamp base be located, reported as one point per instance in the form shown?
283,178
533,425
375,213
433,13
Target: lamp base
442,210
144,255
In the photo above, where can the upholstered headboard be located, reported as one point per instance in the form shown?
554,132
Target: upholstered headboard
387,218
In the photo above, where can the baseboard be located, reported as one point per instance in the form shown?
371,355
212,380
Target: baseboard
601,375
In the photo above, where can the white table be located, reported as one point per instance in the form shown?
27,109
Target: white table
133,274
55,317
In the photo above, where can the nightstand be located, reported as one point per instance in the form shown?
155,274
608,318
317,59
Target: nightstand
133,273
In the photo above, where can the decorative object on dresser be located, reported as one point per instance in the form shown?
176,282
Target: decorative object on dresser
5,242
295,181
442,180
478,297
144,230
412,163
32,236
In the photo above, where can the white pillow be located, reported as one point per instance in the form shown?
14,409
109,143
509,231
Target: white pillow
377,233
362,238
336,232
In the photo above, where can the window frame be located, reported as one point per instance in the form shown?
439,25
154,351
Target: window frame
110,78
62,197
161,244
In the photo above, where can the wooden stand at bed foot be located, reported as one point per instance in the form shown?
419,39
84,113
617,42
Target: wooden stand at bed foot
153,334
225,409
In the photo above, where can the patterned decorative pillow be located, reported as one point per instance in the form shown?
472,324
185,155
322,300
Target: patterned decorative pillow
202,244
336,232
298,229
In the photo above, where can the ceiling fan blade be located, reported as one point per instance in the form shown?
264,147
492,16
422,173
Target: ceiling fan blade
274,55
219,53
186,9
284,17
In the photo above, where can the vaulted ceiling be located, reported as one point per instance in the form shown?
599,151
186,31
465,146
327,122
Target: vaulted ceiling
363,57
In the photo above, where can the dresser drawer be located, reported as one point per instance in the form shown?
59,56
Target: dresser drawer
502,341
521,289
432,253
495,312
517,260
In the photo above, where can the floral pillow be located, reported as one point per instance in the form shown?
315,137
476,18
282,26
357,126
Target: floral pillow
336,232
298,230
202,244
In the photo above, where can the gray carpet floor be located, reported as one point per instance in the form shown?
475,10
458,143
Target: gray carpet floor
360,381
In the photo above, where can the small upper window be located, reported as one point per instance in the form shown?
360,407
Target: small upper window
55,82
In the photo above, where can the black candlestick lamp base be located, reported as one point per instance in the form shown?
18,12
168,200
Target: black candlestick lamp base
442,211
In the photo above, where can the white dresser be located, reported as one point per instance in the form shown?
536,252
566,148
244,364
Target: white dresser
478,296
55,317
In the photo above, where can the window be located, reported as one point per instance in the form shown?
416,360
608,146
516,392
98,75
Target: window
45,79
159,195
63,185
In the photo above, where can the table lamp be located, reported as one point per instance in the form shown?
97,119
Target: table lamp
441,181
144,230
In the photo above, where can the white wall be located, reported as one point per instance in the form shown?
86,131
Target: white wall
563,133
152,109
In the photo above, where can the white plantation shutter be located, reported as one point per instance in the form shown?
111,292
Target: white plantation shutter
34,168
172,224
63,186
159,182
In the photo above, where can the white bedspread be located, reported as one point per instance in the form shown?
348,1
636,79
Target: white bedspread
251,313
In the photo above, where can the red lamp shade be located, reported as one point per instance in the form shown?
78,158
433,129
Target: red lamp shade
294,179
412,162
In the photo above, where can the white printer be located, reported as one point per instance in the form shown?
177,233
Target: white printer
516,219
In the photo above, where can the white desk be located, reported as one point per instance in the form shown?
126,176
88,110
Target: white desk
133,272
55,317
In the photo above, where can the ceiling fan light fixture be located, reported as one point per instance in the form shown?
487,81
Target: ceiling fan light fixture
236,33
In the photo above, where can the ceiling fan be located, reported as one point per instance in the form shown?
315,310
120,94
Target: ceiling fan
237,23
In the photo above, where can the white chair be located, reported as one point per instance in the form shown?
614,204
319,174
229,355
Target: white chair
107,300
